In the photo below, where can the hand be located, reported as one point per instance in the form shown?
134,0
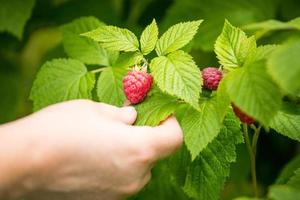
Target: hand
88,151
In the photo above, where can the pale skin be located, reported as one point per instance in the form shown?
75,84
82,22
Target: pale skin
81,150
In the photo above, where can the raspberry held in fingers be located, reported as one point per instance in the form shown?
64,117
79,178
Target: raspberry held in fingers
136,85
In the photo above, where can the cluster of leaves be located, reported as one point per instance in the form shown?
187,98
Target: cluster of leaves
211,131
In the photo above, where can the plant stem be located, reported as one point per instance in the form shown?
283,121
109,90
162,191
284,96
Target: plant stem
252,156
254,139
98,70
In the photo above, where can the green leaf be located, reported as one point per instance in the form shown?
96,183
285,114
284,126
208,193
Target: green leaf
177,74
233,47
201,126
155,108
288,171
238,12
109,86
149,38
264,27
176,37
114,38
283,192
261,53
128,59
82,48
295,179
14,15
254,92
60,80
287,122
207,174
284,67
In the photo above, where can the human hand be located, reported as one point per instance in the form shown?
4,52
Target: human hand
88,151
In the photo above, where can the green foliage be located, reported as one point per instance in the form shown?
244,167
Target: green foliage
253,91
149,38
177,74
239,12
280,192
13,21
288,171
233,47
109,86
287,121
81,48
177,37
61,80
204,177
282,60
254,78
264,27
201,126
114,38
155,109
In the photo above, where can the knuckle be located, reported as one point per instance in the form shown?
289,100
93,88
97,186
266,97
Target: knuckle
144,154
133,187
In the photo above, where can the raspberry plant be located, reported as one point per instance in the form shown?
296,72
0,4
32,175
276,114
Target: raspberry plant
101,55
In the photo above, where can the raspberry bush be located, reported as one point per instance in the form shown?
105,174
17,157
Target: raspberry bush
157,73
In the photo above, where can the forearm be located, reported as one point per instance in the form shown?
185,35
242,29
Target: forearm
16,160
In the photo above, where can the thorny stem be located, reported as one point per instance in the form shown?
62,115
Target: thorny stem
252,152
98,70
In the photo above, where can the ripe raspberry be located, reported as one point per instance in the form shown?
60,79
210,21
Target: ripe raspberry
136,85
243,116
211,78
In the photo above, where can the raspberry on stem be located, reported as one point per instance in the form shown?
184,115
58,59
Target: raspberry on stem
242,116
136,85
211,78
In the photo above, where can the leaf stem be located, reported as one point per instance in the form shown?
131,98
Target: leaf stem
98,70
252,152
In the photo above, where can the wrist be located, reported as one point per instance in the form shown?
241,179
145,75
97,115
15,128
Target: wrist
20,159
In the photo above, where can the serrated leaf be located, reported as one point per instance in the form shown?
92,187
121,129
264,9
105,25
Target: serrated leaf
233,47
201,126
114,38
287,122
14,15
82,48
252,90
155,108
59,80
177,74
149,38
284,67
109,86
206,175
176,37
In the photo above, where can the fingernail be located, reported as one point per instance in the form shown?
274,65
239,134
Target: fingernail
128,109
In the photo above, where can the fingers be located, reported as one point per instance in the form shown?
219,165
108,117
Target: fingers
164,139
126,115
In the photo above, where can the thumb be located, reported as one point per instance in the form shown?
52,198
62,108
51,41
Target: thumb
165,139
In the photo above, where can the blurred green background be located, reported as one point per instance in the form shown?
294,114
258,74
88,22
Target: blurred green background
30,34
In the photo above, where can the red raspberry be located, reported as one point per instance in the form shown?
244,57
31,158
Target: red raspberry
243,116
211,78
136,85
